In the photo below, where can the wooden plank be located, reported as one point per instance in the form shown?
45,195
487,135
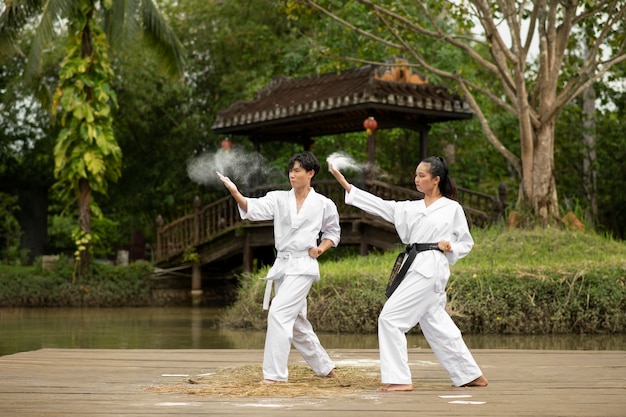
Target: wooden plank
82,382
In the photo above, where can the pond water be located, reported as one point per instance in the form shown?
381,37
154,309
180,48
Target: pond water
24,329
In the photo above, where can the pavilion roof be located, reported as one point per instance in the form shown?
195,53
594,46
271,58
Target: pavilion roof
288,109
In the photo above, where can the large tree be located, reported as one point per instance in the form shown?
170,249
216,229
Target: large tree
87,155
520,49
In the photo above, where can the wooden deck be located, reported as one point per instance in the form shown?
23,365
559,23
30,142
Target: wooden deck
79,382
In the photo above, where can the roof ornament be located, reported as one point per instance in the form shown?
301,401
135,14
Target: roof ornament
399,71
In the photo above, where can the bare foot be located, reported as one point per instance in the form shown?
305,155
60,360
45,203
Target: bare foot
481,381
396,387
332,374
267,382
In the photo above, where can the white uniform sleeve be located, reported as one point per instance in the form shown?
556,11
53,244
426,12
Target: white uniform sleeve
262,208
370,203
461,241
331,229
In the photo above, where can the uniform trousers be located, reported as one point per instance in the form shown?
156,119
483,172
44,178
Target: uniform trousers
421,300
286,325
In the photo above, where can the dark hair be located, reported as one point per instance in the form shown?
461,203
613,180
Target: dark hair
439,168
307,160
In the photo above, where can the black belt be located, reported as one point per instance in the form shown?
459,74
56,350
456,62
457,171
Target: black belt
421,247
397,273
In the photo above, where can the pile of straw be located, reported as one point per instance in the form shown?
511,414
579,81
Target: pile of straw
241,382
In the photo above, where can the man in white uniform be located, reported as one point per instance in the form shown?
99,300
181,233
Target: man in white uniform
299,215
420,298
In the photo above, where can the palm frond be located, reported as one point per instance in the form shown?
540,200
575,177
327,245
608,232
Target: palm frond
161,37
51,12
13,18
121,21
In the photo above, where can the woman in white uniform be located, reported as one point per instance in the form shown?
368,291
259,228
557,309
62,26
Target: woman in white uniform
420,297
300,215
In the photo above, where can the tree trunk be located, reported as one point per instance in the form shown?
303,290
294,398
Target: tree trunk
84,189
84,223
544,202
589,150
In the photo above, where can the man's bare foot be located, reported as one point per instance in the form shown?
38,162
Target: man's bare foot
332,374
396,387
481,381
267,382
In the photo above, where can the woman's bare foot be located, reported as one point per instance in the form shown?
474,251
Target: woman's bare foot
332,374
396,387
267,382
481,381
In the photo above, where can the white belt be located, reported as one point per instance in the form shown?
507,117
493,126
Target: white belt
292,254
268,285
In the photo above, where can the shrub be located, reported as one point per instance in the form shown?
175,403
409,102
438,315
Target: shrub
10,232
538,281
107,286
540,302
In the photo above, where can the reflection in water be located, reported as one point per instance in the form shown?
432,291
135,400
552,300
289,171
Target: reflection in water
23,329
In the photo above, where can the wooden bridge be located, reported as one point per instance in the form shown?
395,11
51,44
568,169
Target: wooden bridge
214,242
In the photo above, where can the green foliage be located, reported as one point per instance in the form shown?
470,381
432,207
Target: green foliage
25,128
86,154
537,281
540,302
105,286
60,233
11,232
247,312
611,182
106,236
86,148
158,133
611,158
351,307
191,255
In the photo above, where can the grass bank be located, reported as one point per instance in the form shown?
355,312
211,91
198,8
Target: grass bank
541,281
107,286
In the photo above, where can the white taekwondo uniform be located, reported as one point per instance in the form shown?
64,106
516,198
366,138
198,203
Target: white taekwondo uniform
293,274
420,297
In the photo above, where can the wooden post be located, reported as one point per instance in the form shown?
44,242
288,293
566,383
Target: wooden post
247,254
371,154
363,248
196,284
502,191
307,143
196,220
423,142
159,238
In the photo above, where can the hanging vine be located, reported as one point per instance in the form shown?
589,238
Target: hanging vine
86,154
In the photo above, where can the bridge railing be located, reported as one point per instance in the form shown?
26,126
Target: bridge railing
222,216
194,229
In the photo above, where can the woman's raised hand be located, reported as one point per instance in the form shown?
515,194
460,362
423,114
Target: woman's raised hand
227,182
338,176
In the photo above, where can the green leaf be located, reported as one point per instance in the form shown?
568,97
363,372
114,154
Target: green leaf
94,164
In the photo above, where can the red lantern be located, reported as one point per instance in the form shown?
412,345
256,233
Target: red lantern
227,145
370,125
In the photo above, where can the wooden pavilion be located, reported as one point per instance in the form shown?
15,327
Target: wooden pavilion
297,110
